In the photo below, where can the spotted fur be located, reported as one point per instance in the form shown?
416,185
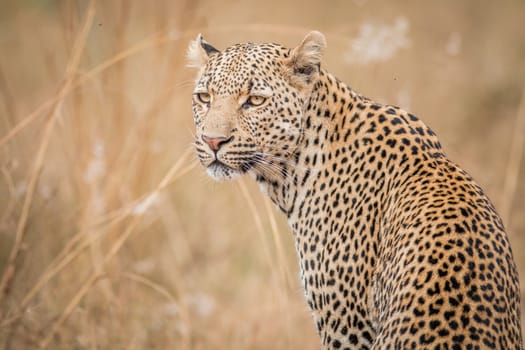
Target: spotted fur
398,247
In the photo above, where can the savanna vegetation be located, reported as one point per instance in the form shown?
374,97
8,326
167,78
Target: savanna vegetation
111,234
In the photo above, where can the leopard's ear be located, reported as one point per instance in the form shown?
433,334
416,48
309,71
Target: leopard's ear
199,51
305,60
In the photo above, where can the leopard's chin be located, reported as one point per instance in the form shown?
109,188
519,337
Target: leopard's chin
221,172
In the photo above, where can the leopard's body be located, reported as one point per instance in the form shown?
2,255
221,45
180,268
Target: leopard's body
398,247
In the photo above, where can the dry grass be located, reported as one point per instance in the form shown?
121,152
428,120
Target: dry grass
111,235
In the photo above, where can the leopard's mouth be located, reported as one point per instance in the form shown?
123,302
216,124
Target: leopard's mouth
221,171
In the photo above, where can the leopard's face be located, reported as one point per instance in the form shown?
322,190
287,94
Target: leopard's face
248,107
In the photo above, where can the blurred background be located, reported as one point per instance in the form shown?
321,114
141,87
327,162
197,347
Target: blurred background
111,234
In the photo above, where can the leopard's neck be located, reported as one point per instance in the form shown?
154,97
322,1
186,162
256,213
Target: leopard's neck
325,123
338,125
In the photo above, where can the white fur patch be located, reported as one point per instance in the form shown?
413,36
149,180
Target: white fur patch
222,173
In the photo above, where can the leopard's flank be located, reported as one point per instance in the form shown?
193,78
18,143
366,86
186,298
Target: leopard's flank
398,247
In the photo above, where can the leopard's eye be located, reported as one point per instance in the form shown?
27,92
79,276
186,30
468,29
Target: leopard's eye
254,101
203,97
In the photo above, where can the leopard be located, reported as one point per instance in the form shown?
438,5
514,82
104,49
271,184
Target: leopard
398,247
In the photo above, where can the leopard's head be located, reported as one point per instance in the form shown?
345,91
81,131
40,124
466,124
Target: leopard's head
248,104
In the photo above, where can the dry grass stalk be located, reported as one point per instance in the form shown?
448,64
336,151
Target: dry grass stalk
184,315
114,249
278,266
79,242
73,64
12,194
286,275
512,171
148,43
258,222
8,99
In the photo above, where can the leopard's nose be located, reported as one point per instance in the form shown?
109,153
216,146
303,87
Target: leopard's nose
216,142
